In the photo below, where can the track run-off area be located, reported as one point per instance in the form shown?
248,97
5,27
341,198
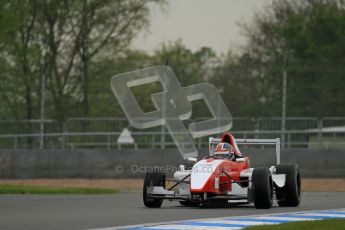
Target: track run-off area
126,208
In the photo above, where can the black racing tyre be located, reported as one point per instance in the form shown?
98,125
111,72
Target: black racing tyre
153,179
290,194
188,203
263,188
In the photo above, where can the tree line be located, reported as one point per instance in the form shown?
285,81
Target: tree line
75,47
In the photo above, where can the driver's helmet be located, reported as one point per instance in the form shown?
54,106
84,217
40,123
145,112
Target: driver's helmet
224,149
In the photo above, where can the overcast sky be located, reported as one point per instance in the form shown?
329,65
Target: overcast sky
200,23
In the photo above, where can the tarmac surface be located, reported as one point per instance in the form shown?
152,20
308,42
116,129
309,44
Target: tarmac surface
126,208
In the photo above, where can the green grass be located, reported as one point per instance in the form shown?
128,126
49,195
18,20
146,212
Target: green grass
29,189
305,225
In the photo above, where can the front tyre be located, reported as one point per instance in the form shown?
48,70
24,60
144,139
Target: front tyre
263,188
290,194
153,179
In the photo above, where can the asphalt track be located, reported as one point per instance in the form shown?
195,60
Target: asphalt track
126,208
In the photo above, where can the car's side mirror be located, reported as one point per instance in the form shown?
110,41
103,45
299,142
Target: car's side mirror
192,159
240,159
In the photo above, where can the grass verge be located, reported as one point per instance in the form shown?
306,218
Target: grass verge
30,189
305,225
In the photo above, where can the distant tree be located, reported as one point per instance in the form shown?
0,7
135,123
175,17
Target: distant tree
308,36
101,29
64,42
101,98
8,23
239,84
19,58
188,66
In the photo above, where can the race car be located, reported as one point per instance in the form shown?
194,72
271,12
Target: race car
224,177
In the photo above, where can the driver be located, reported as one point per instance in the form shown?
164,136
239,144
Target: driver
224,150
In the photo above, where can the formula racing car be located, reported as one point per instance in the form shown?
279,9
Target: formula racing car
224,177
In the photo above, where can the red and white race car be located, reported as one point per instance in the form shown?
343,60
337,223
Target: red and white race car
225,176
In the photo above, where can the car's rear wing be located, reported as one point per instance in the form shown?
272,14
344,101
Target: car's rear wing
214,141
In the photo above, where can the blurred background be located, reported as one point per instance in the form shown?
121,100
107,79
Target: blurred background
279,66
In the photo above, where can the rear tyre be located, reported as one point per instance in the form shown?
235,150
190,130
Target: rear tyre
263,188
153,179
290,194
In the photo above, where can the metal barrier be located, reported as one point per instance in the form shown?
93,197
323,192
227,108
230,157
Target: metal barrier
117,124
94,133
152,140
